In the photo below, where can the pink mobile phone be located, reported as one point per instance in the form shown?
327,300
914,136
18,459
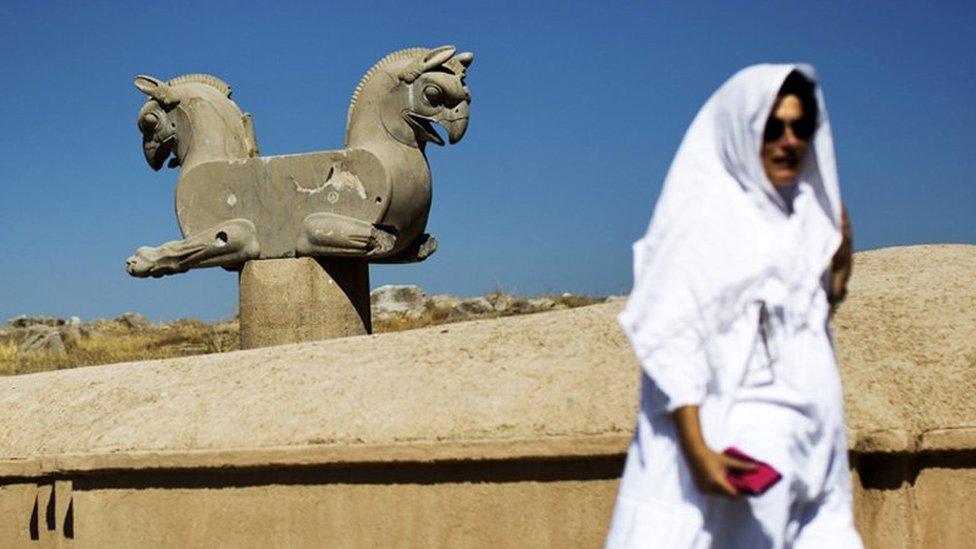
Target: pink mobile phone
752,483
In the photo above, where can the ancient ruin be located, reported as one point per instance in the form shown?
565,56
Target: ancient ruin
496,433
366,203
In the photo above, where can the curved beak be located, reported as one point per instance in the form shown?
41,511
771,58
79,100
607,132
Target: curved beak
455,129
455,121
156,152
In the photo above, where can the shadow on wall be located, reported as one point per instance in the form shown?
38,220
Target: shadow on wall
896,470
496,472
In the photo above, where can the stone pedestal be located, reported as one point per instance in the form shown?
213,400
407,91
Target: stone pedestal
293,300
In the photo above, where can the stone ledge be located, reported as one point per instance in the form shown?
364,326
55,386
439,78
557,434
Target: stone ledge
344,454
882,441
952,439
605,445
897,441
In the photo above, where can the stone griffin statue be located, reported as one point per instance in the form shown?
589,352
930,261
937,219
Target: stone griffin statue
369,200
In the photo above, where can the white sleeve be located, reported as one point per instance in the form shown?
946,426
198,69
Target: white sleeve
664,322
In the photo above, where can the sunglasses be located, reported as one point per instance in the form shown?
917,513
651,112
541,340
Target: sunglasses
802,128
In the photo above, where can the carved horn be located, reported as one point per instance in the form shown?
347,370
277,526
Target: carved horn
465,58
157,89
434,58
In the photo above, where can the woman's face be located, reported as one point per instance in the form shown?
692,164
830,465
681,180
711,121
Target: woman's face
785,141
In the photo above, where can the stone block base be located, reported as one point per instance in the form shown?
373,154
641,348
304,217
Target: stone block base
294,300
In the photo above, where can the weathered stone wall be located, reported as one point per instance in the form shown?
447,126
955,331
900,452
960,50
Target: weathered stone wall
516,503
509,504
503,433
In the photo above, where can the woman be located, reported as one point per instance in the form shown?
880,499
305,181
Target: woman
728,318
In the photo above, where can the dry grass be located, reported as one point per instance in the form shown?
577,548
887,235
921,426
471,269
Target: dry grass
8,352
111,342
431,317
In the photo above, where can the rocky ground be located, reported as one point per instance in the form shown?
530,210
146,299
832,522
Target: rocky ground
34,344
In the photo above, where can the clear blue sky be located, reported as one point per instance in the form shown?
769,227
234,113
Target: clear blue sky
578,108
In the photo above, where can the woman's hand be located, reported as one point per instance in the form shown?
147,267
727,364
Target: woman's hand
709,469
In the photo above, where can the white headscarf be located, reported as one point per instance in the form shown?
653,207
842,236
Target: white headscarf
722,237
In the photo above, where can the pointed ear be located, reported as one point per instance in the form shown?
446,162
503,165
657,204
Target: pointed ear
438,56
148,84
465,58
434,58
156,89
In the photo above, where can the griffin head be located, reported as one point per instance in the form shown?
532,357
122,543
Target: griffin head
436,92
156,120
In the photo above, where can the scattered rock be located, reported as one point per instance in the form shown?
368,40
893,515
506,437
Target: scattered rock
395,300
443,301
133,321
38,338
71,335
32,334
501,302
539,304
410,301
612,298
73,331
472,307
24,321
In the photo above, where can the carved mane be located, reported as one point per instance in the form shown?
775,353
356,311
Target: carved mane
200,78
398,55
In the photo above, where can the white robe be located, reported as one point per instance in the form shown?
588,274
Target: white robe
723,243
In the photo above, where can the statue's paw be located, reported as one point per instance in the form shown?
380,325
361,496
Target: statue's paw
138,264
427,248
147,262
380,242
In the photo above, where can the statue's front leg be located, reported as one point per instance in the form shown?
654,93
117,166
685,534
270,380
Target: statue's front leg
230,243
329,234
